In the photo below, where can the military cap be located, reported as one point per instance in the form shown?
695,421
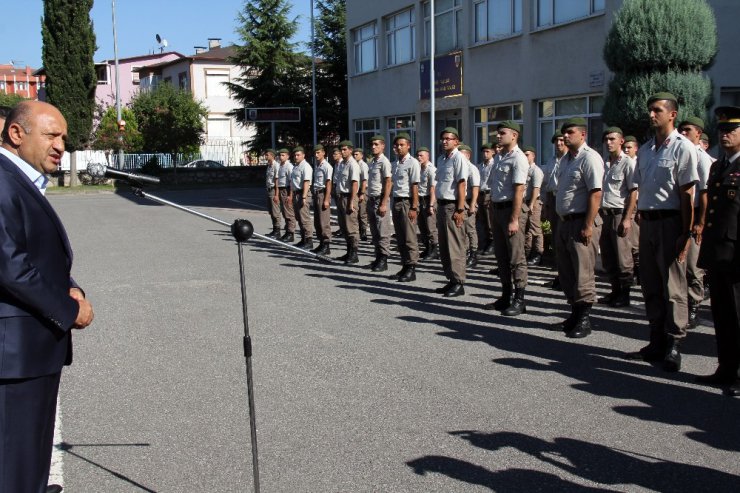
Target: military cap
402,135
464,147
377,137
299,149
270,151
573,122
728,118
283,151
347,143
422,148
360,150
557,135
510,124
486,147
630,138
662,96
705,138
450,130
529,149
612,130
334,149
318,147
693,120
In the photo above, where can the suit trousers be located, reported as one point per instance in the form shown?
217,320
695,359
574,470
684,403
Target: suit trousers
663,277
349,222
725,298
533,237
484,218
694,275
27,413
321,216
576,261
381,228
427,223
303,214
453,243
510,258
286,203
408,244
616,251
273,208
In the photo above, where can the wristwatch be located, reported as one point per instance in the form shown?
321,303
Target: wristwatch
460,211
412,209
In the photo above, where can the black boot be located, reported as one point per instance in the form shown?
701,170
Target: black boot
693,314
427,250
455,290
344,257
409,275
517,306
302,243
337,233
534,260
623,298
381,265
636,278
567,324
275,233
672,360
287,237
488,250
444,288
434,254
323,249
609,298
352,256
400,273
582,327
472,259
555,284
503,302
307,244
656,348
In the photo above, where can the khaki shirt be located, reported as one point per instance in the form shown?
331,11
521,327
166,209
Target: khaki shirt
618,181
508,170
451,170
703,164
406,172
378,170
550,172
350,171
272,173
662,170
364,169
578,177
284,172
485,169
534,180
427,179
473,180
301,173
321,175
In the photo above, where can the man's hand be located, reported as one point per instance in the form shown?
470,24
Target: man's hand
276,199
696,232
382,209
513,228
412,215
459,218
352,208
473,209
325,205
682,247
85,313
625,226
586,234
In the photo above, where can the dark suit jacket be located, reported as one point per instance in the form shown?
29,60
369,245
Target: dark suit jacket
719,245
36,312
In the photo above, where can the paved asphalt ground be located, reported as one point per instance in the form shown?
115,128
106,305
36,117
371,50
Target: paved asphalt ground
362,384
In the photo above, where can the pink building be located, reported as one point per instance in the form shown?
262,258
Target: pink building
128,69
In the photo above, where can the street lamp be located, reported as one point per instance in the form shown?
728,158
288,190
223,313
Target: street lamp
121,124
313,72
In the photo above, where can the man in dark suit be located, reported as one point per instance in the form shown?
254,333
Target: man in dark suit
719,252
39,301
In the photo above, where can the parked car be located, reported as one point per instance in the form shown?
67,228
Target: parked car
203,163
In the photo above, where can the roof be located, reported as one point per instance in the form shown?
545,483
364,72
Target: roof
214,54
141,57
10,71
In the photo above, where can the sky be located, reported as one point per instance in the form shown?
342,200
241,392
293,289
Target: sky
183,23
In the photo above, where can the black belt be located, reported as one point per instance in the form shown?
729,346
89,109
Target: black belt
502,205
401,199
270,188
345,194
485,192
376,197
571,217
282,188
319,190
610,211
659,214
446,202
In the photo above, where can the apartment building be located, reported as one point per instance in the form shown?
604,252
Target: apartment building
23,81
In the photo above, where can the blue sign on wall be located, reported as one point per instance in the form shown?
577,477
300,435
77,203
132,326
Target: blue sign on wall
448,76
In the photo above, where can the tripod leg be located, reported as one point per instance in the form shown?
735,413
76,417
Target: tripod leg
250,382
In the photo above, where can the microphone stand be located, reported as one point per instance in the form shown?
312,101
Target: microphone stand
242,230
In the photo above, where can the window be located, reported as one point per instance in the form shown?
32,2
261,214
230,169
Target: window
215,84
488,117
398,124
448,30
496,19
135,74
400,36
182,81
729,96
101,72
552,113
364,131
551,12
2,85
365,40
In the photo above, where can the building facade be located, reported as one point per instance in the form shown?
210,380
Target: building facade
128,76
534,61
23,81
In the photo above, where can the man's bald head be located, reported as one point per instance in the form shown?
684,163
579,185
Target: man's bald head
36,132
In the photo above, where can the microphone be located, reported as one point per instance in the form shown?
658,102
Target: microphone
101,170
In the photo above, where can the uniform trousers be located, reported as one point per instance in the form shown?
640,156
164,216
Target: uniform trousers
349,221
273,208
408,244
509,250
471,229
27,413
381,228
453,242
577,261
694,275
724,290
616,251
663,277
484,218
321,216
548,213
301,209
286,205
635,240
533,237
427,223
362,219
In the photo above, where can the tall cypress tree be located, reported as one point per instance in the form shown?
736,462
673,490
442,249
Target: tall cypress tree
659,45
69,47
331,77
272,73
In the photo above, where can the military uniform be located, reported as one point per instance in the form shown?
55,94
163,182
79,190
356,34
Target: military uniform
301,175
362,219
381,229
534,241
720,253
345,181
273,206
322,174
694,274
286,203
428,218
406,177
484,214
472,192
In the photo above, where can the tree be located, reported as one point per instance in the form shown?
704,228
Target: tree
272,73
331,77
169,119
10,100
67,53
658,46
107,133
